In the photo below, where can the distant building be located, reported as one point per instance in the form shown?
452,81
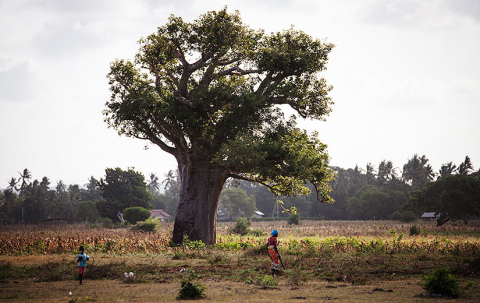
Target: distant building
223,215
429,216
258,214
160,214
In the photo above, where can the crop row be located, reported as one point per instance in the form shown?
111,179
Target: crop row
36,244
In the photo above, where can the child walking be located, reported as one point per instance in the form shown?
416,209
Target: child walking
273,251
82,259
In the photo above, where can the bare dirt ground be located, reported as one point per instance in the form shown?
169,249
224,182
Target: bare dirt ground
225,291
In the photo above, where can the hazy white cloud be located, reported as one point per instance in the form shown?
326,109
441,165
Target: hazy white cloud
17,76
421,15
465,8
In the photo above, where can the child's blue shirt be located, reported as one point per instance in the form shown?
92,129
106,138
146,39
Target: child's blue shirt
82,259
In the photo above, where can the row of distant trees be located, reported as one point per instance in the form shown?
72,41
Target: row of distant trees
385,192
30,201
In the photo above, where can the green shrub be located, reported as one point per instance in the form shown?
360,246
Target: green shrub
441,281
242,226
190,291
106,222
414,230
135,214
149,225
293,219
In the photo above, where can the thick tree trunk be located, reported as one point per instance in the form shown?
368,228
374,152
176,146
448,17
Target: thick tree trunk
196,215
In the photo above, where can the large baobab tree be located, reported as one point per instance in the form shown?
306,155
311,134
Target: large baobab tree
209,92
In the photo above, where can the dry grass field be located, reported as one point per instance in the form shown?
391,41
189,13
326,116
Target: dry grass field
344,261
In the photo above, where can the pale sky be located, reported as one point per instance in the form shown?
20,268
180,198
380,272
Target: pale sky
406,78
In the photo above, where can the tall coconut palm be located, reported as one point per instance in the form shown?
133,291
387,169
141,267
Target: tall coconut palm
386,172
446,169
370,174
153,186
172,186
92,184
12,184
418,171
466,167
25,177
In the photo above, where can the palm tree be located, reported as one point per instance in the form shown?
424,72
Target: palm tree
153,186
418,171
172,186
92,184
92,193
465,167
25,177
386,172
73,198
61,199
35,200
47,198
357,175
370,174
446,169
12,184
61,187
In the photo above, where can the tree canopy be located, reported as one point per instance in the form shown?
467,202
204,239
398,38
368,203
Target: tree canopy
223,102
236,202
122,189
209,93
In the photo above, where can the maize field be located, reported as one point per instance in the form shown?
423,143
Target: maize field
338,236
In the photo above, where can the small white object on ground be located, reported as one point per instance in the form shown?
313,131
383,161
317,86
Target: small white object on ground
69,293
182,270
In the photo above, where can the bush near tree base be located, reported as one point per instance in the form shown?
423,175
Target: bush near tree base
106,222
